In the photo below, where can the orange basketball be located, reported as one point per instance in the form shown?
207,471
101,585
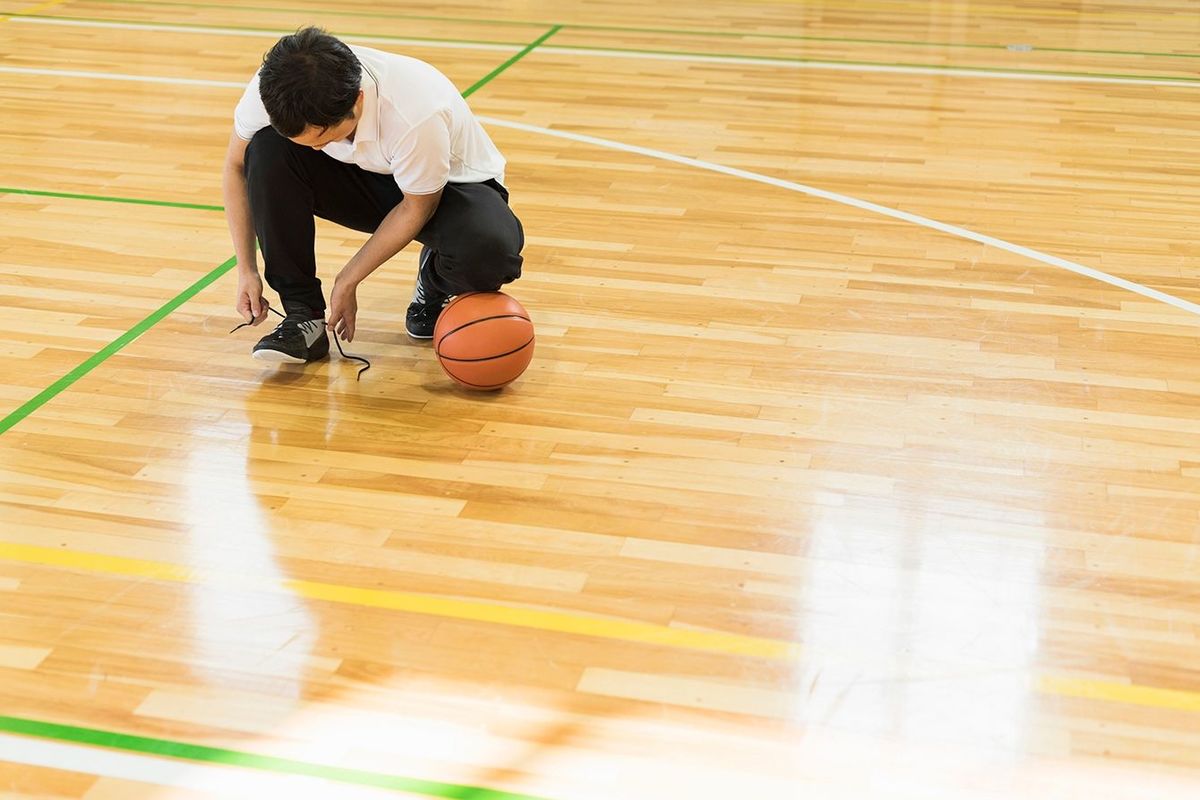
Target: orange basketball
484,340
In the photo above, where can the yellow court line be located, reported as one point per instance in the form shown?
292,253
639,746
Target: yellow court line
556,621
447,607
1174,699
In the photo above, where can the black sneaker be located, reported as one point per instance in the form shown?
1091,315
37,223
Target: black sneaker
300,338
426,304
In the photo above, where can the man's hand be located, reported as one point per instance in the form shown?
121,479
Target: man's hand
398,228
250,303
343,308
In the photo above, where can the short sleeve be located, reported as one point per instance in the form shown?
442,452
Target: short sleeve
420,161
250,116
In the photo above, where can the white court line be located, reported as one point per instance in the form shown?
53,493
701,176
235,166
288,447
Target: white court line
878,68
846,200
223,781
854,202
117,76
587,51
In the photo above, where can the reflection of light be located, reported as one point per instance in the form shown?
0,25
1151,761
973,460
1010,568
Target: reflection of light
238,630
913,628
974,634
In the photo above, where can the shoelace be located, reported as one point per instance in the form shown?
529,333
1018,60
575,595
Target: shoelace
335,341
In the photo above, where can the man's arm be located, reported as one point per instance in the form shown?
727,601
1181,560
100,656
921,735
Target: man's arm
250,303
398,228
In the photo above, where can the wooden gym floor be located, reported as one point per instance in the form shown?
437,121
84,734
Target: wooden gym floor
859,457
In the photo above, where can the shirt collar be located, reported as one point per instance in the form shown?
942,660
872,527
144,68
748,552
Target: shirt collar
368,123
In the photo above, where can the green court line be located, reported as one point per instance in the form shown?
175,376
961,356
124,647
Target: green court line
631,29
133,333
516,57
239,758
113,347
104,199
1036,48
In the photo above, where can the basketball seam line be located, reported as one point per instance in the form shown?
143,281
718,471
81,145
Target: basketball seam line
482,319
489,358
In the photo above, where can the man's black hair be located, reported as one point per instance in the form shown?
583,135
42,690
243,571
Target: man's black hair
309,78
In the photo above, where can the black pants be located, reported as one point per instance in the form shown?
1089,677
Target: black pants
475,237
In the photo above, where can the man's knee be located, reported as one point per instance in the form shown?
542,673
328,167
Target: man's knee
489,258
488,245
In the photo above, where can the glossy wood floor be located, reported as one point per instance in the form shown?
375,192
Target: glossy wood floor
797,499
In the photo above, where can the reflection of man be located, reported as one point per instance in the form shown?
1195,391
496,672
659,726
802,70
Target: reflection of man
377,142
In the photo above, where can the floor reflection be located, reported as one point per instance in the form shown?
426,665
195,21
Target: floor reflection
914,630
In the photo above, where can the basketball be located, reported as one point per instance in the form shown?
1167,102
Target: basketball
484,340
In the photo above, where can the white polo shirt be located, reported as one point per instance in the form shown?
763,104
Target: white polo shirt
414,125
